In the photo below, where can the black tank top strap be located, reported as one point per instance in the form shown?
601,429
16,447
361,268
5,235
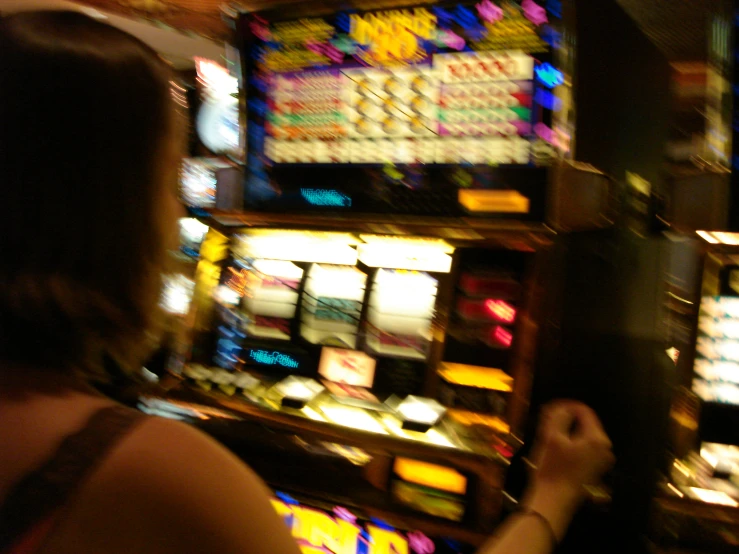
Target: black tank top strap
46,489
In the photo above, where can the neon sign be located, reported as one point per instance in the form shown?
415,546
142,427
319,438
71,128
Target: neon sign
325,197
274,358
317,532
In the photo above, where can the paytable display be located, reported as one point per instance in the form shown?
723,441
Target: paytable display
408,115
400,110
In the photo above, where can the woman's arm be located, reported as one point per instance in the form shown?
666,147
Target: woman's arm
571,450
168,488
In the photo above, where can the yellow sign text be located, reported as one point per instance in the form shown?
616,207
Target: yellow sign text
318,533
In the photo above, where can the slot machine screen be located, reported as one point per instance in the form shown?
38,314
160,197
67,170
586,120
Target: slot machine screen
442,110
350,367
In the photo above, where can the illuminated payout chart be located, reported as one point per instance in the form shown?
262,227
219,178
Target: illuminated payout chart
462,107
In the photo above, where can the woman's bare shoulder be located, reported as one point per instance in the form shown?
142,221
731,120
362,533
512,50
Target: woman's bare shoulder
168,487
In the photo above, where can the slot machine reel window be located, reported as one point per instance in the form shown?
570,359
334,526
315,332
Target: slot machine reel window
376,111
334,328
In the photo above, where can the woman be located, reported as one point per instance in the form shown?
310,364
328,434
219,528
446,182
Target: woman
89,152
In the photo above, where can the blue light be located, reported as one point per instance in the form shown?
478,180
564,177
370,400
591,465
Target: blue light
468,20
476,32
254,163
363,544
547,100
260,84
326,197
259,172
554,7
226,352
343,22
198,212
286,498
190,252
226,332
257,53
548,75
550,36
466,17
426,45
273,357
257,106
442,16
257,133
382,524
227,346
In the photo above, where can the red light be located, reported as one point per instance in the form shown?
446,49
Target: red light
501,310
504,451
502,336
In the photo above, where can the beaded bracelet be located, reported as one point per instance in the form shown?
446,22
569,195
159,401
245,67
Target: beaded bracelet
526,511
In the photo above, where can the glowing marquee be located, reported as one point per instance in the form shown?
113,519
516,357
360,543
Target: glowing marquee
317,533
391,36
394,86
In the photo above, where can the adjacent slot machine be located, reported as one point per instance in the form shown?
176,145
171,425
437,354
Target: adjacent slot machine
697,505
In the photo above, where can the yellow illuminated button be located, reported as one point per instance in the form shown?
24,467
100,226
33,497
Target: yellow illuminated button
431,475
494,201
476,376
468,419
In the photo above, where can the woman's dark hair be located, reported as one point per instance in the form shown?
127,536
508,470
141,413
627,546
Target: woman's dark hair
85,113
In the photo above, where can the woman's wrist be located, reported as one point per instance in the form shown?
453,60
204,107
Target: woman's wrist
556,502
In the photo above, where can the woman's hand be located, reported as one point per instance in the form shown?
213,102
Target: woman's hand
571,451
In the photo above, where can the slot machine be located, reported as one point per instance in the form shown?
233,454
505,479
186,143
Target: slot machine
697,500
373,297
